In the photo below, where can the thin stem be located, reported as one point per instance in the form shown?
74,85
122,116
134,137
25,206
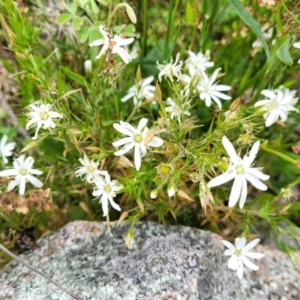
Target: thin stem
145,25
281,155
15,257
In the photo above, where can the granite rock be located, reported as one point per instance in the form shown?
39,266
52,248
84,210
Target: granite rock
166,262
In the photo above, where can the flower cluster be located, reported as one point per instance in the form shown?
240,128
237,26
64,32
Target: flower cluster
104,187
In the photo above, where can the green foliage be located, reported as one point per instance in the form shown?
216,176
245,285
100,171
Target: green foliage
171,184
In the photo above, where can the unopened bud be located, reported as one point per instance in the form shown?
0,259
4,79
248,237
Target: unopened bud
235,104
171,190
129,238
88,66
153,194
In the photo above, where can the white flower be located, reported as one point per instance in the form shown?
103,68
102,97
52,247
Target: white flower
141,90
41,115
106,189
112,45
23,173
89,170
170,69
240,170
280,102
240,253
175,110
209,90
6,149
198,61
137,139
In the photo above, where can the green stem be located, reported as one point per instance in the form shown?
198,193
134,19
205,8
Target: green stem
167,40
145,25
281,155
290,13
277,19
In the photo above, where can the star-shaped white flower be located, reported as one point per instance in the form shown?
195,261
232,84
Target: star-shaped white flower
40,115
240,253
141,90
106,189
170,69
89,170
281,101
198,61
175,110
112,45
137,138
210,91
240,170
6,149
23,173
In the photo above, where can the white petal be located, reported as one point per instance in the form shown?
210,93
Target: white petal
230,150
123,141
137,157
243,193
233,262
235,191
257,173
249,264
268,93
12,184
34,181
255,182
122,129
221,179
124,150
251,245
97,43
240,242
142,124
156,142
123,54
114,204
104,202
11,172
255,255
228,245
240,269
22,184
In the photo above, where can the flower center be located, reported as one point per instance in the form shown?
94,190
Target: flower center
23,172
238,252
44,115
107,188
91,169
137,138
239,170
272,105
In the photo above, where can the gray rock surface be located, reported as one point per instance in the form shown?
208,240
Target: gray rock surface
166,262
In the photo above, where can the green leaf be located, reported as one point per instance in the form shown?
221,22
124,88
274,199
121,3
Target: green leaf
103,2
77,22
74,76
283,53
94,7
247,18
73,9
189,14
64,18
83,34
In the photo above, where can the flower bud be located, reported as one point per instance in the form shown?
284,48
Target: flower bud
129,238
88,66
153,194
171,190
